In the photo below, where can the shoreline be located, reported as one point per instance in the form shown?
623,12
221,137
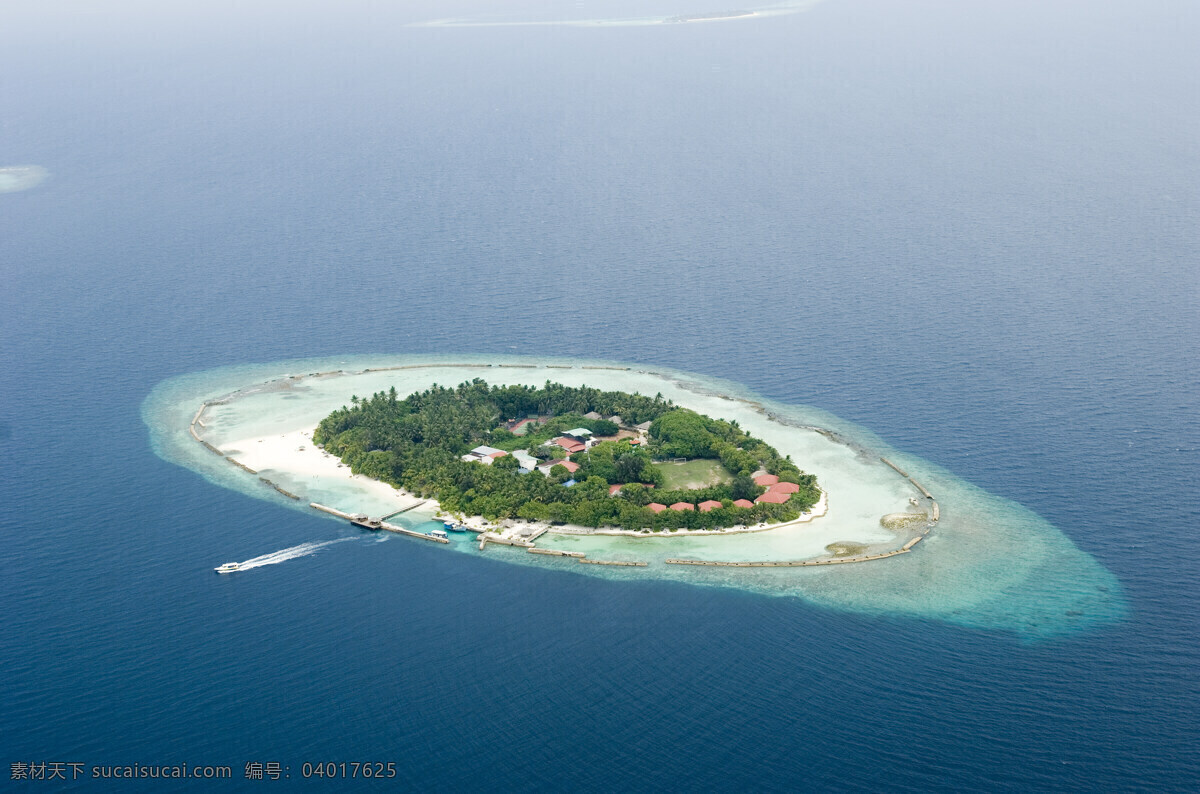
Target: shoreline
280,453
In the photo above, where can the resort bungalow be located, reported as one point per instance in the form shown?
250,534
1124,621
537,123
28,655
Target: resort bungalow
643,428
484,455
617,420
711,504
773,497
579,434
766,480
525,461
571,445
785,487
656,507
742,503
592,415
545,466
683,506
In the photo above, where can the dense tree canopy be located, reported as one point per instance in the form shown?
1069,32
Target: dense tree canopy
417,442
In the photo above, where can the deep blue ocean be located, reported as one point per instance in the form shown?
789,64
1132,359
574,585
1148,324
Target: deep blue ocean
971,228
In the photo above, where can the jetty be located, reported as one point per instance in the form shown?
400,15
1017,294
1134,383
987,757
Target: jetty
361,520
412,506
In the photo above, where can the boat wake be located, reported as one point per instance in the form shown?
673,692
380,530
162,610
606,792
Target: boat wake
303,550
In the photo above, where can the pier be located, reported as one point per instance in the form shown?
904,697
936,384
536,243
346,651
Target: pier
411,533
902,472
331,511
367,523
413,506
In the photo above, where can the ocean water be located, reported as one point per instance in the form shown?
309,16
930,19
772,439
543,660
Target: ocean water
968,230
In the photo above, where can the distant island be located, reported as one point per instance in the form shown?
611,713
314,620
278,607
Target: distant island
568,455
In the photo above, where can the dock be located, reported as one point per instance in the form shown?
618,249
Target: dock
413,506
410,533
902,472
374,524
331,511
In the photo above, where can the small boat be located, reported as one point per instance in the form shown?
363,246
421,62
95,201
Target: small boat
228,567
439,533
454,526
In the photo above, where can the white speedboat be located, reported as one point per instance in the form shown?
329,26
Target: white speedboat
228,567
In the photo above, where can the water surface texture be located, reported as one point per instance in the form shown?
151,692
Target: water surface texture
962,232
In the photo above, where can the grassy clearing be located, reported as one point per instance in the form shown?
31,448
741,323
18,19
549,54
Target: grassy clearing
693,474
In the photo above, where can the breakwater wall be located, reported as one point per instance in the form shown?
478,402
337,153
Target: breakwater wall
626,563
798,563
288,494
505,541
240,465
936,512
554,552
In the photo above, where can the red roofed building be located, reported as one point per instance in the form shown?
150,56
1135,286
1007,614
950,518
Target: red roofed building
766,480
570,445
785,487
570,465
711,504
612,489
656,507
773,497
683,506
743,503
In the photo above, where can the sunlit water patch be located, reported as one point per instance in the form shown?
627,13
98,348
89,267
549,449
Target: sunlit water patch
988,562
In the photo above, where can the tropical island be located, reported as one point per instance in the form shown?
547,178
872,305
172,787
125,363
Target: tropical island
568,455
